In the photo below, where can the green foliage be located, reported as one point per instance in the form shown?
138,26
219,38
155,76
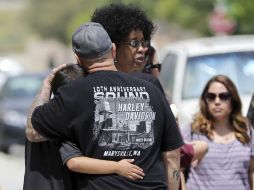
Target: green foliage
58,19
50,18
194,14
82,15
242,11
189,14
12,34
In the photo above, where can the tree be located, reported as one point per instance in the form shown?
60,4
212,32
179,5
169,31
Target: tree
195,14
242,11
52,18
188,14
55,19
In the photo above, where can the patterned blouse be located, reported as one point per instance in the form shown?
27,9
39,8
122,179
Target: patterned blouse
224,167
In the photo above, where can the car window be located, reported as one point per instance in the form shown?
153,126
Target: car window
167,73
22,86
239,66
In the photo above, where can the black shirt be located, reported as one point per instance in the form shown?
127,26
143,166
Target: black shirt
111,115
43,167
70,150
150,78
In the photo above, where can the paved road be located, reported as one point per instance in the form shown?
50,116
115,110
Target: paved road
12,170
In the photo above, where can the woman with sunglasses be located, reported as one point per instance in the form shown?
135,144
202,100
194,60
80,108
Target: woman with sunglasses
229,162
131,31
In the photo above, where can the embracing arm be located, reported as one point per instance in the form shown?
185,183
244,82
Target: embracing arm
251,173
172,165
74,160
41,98
200,149
88,165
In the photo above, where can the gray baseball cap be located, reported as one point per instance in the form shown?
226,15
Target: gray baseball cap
91,40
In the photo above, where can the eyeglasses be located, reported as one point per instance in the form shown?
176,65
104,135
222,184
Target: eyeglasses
224,96
137,43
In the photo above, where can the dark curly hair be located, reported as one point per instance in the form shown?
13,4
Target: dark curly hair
119,20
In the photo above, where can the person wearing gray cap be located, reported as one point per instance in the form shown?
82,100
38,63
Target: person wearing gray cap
44,172
109,115
97,41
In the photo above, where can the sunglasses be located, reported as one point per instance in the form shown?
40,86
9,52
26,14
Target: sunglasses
153,66
224,96
137,43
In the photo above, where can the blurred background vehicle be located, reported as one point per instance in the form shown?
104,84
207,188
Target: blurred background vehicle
15,98
188,65
9,67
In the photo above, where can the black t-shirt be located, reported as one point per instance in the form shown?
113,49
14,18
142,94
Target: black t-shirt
43,167
70,150
110,115
150,78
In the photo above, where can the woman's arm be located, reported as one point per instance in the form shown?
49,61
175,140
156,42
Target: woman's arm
88,165
200,149
251,173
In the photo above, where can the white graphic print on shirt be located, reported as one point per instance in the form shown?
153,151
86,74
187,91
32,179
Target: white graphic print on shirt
123,118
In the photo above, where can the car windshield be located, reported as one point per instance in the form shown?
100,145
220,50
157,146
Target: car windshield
21,87
239,66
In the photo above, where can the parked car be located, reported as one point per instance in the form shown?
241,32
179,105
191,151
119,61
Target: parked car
9,67
188,65
15,98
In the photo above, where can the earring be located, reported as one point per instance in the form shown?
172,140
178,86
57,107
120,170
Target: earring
115,61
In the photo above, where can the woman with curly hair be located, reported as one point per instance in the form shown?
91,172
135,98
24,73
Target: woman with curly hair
131,31
229,162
